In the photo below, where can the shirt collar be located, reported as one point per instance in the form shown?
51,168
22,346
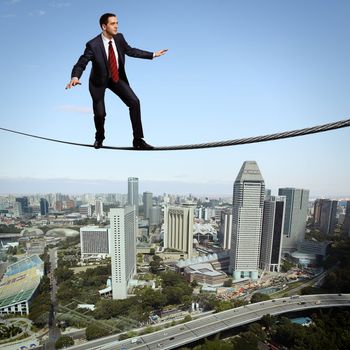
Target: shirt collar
106,40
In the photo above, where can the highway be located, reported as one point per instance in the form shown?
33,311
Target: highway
183,334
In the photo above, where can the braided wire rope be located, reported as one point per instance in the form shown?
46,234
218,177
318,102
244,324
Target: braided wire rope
235,142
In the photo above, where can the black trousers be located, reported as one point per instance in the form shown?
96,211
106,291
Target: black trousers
125,93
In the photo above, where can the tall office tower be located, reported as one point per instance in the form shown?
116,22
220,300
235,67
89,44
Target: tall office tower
93,242
24,204
85,210
295,216
178,228
44,207
328,216
122,238
317,212
225,232
272,233
346,224
17,210
147,204
247,213
99,209
155,215
133,193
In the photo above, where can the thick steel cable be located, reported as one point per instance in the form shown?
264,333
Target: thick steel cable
254,139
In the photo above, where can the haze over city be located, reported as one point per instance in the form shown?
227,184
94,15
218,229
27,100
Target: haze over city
234,69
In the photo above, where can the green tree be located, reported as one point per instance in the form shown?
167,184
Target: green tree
257,297
223,305
94,331
286,265
246,341
64,341
228,283
63,274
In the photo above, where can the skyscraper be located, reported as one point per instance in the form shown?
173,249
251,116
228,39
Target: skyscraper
147,204
122,236
346,224
93,242
24,204
99,209
133,193
178,228
272,233
44,207
328,216
225,232
155,215
247,213
295,216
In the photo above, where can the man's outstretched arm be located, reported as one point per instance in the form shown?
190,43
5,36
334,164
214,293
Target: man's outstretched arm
79,67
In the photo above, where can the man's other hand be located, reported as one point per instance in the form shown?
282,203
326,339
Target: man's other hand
73,82
160,53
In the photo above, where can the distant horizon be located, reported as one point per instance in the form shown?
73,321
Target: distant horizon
213,189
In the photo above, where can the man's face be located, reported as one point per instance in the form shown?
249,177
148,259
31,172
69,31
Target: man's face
111,27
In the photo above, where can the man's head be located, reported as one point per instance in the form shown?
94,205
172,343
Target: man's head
109,24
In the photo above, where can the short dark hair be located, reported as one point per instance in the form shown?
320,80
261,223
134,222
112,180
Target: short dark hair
104,18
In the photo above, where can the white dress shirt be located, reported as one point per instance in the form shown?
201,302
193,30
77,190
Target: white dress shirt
106,45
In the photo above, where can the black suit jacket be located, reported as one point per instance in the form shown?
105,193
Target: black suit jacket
95,52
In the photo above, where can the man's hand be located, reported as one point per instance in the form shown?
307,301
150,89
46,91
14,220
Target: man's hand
160,53
73,82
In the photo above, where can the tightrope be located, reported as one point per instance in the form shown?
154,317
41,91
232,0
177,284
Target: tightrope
235,142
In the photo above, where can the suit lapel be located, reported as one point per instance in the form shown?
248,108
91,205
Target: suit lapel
103,51
120,56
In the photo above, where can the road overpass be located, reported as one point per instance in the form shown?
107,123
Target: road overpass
180,335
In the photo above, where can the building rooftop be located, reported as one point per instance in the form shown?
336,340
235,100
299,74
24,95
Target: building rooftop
19,287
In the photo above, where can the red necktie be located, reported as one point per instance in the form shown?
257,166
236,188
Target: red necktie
112,63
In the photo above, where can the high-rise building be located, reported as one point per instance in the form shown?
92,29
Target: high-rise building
85,210
295,216
317,213
346,224
272,233
93,242
328,216
133,193
24,204
247,213
99,209
44,207
122,238
178,228
225,232
155,215
147,204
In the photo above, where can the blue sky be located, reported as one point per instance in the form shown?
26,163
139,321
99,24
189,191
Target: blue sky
234,69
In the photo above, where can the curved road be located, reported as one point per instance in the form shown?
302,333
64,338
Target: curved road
183,334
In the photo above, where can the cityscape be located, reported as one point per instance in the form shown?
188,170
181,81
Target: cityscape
74,268
106,244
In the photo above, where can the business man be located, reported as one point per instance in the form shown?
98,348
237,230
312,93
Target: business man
107,53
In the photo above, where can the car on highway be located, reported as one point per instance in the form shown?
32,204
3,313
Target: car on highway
171,338
136,341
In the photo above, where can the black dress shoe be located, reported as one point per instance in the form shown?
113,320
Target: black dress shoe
141,144
98,144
